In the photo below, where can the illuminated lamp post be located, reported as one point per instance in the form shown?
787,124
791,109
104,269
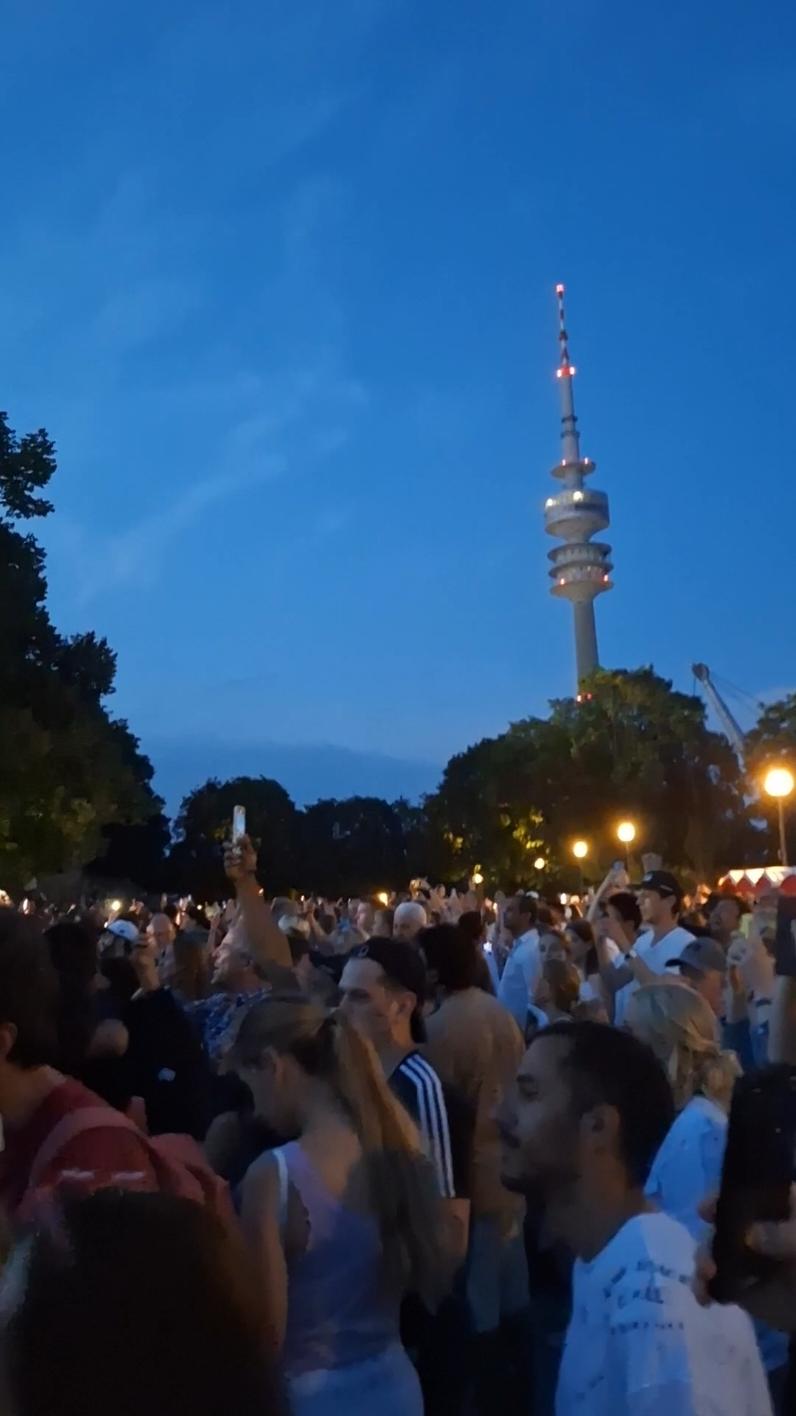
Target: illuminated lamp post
778,784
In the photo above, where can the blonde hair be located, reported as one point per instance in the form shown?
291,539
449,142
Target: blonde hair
680,1028
400,1180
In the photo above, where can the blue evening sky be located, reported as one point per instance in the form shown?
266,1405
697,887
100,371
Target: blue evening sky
277,277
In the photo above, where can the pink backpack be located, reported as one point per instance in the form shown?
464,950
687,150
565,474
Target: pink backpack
178,1162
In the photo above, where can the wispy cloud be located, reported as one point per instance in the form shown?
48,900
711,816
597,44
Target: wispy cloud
187,343
137,555
141,312
307,418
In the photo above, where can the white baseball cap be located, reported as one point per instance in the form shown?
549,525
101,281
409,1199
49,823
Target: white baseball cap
124,929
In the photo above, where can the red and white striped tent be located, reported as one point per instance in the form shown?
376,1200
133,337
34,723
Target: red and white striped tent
756,881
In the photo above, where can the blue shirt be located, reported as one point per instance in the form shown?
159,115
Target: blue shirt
520,977
215,1016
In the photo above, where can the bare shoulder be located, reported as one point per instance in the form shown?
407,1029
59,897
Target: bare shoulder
261,1181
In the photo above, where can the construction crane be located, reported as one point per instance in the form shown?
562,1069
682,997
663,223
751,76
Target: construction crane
731,727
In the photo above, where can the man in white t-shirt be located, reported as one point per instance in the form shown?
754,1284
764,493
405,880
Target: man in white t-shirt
589,1112
662,940
524,964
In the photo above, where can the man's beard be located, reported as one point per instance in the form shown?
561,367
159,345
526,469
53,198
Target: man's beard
535,1189
543,1189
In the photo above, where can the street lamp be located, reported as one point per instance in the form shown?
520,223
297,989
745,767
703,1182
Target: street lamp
540,863
580,850
626,835
477,877
779,783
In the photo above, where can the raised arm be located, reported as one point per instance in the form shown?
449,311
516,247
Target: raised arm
268,945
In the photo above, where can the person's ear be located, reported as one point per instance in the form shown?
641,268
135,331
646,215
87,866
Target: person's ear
272,1065
407,1002
599,1128
8,1036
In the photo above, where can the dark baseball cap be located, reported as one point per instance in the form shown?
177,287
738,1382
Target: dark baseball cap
399,961
702,955
663,883
404,966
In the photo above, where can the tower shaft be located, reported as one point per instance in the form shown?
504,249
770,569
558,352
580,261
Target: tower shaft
586,656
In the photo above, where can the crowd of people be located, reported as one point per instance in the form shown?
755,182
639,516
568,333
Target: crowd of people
441,1154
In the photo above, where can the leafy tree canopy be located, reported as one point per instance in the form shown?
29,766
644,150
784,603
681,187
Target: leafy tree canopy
205,822
66,768
633,748
773,741
353,847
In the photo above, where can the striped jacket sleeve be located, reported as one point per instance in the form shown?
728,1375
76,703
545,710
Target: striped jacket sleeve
432,1119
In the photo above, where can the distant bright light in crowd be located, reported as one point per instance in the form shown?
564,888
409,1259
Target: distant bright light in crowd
580,849
116,904
539,863
562,899
626,832
383,898
577,496
778,782
478,878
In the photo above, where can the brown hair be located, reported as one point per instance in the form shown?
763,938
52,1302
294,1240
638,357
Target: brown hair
563,980
191,969
148,1304
400,1180
28,991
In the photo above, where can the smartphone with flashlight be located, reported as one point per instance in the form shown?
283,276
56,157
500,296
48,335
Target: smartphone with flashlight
759,1169
238,823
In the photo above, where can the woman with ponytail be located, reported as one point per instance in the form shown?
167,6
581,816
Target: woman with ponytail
682,1031
342,1221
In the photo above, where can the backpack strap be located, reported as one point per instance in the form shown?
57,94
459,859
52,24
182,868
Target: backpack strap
73,1124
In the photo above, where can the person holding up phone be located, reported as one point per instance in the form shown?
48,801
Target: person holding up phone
782,1024
750,1257
770,1297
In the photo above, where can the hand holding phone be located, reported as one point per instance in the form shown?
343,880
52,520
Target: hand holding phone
238,823
240,859
785,937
